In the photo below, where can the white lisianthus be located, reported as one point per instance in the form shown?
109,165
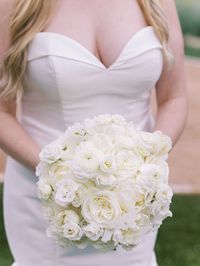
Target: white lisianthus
93,231
65,192
72,231
44,189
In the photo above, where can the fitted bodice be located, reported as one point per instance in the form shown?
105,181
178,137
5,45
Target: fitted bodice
64,82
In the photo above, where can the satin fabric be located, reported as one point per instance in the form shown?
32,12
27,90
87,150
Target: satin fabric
65,83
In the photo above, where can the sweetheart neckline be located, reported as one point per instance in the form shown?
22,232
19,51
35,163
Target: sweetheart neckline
83,48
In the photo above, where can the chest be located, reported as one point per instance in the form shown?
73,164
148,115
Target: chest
102,27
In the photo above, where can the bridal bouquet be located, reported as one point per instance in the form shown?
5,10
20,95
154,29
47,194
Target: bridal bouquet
104,183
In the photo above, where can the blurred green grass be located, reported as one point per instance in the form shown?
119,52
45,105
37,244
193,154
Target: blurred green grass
178,239
189,15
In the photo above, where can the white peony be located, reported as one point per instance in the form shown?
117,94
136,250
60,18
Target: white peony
101,207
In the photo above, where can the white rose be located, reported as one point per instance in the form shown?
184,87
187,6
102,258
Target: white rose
65,192
105,180
72,231
101,207
64,217
44,189
93,231
86,161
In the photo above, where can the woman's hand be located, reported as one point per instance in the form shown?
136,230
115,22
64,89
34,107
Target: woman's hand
171,88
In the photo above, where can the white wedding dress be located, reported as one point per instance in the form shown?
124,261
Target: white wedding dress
63,83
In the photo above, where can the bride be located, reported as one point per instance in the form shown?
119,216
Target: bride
63,61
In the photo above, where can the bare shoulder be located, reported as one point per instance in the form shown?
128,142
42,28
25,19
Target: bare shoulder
5,14
175,32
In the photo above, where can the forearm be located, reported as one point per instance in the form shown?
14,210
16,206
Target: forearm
16,142
171,118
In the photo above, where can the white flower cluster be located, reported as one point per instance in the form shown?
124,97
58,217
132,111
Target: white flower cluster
105,183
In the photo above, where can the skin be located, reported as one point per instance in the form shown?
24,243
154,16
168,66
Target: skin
104,35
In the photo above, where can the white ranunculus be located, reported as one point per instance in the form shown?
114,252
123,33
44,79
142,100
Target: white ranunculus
105,123
103,180
163,144
127,237
65,192
59,170
86,162
101,207
76,133
72,231
49,212
127,164
79,196
42,170
123,142
51,152
154,173
108,164
103,142
44,189
150,145
93,231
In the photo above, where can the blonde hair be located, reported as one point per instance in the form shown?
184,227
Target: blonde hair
31,16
